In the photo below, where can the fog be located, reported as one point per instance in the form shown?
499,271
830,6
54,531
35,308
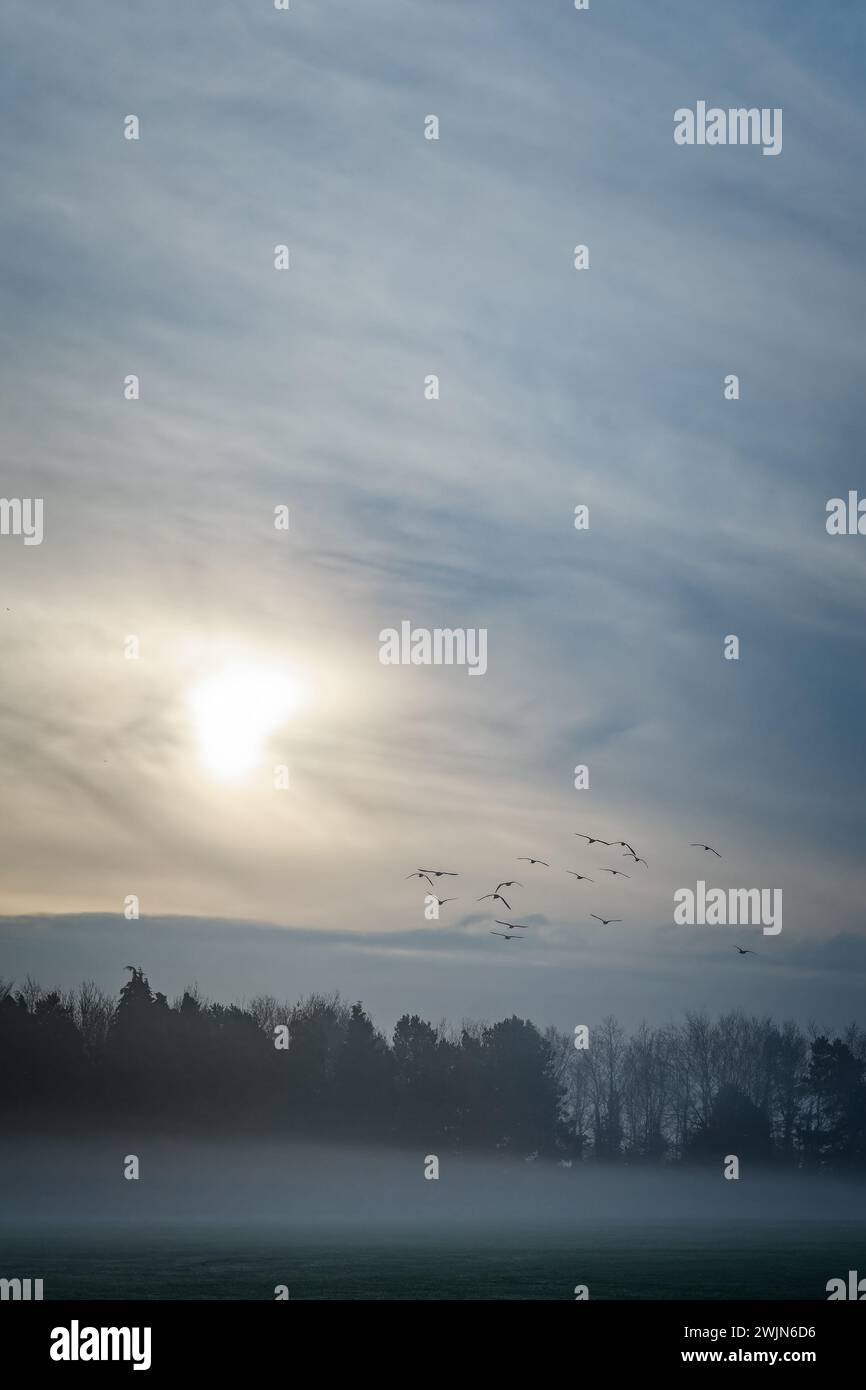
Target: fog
344,1189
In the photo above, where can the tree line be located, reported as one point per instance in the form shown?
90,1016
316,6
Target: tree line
690,1091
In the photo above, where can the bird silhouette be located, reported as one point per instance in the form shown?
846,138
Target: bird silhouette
695,845
637,860
441,873
625,844
592,839
581,878
420,874
526,859
505,936
605,921
443,901
616,871
744,951
524,925
494,896
508,883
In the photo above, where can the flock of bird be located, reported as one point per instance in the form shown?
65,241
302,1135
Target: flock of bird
496,896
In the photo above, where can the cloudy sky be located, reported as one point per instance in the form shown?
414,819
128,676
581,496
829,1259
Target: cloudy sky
305,388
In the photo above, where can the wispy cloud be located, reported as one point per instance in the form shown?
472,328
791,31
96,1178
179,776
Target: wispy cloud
305,388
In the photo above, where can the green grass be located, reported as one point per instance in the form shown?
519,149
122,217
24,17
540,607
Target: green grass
738,1261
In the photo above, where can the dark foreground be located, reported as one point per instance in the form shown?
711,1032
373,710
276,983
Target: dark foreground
737,1261
206,1221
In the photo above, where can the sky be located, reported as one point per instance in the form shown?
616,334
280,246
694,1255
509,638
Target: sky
304,389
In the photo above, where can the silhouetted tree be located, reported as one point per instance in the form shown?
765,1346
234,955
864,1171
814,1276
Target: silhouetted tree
735,1125
697,1089
424,1074
517,1070
364,1073
835,1080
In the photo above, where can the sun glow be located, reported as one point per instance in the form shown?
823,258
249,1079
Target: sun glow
235,712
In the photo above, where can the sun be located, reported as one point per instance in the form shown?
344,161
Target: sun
235,711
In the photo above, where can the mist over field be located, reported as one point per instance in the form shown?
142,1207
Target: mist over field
239,1219
298,1185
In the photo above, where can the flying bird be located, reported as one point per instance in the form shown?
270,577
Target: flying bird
420,874
709,847
494,896
744,951
580,877
624,843
441,873
505,936
526,858
592,839
605,921
636,859
443,901
524,925
508,883
616,871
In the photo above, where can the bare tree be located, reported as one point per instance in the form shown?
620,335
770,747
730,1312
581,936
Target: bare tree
92,1010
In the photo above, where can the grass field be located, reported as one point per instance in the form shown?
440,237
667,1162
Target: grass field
774,1261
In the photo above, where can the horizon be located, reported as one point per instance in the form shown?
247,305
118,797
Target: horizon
227,961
